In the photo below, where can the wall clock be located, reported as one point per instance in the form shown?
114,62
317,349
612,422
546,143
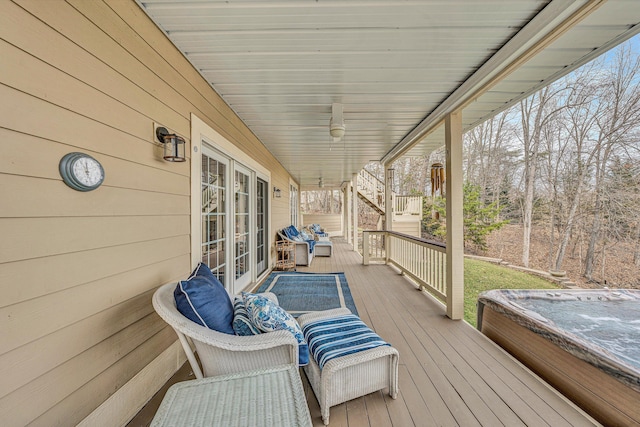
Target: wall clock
81,172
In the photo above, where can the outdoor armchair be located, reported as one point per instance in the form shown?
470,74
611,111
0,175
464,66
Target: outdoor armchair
221,353
304,247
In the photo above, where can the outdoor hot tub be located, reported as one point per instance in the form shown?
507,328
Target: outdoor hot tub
586,343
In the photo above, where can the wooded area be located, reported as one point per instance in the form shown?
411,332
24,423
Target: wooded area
565,160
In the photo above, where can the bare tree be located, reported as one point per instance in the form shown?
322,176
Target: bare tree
619,95
490,155
582,110
535,113
553,164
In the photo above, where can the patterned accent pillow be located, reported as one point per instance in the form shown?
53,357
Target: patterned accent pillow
242,325
204,300
268,316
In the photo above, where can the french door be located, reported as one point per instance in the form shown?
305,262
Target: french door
243,238
234,222
229,206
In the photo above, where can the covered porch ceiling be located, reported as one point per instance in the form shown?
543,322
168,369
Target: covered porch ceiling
396,67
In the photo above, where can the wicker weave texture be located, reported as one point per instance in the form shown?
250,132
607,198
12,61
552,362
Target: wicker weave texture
353,375
221,353
267,397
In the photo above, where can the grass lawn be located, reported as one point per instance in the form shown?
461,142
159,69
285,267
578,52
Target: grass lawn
482,276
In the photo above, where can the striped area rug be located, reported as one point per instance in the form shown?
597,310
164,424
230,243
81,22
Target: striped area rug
300,293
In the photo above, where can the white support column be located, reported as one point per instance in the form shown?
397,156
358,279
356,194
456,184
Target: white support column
347,212
355,211
455,239
388,197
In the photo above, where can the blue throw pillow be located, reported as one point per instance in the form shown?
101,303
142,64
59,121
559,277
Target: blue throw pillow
292,232
268,316
202,299
242,325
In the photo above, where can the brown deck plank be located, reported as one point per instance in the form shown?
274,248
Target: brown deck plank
376,410
356,413
418,410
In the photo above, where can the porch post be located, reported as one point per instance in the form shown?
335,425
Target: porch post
347,211
388,197
355,211
455,239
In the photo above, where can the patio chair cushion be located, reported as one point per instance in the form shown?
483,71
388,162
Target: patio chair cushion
202,299
292,233
242,325
318,230
339,336
305,235
268,316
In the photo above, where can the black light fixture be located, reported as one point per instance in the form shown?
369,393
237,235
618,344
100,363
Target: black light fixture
276,192
174,145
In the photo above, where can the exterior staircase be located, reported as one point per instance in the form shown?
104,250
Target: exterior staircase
371,191
407,210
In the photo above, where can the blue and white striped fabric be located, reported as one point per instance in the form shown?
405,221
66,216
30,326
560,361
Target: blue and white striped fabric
338,336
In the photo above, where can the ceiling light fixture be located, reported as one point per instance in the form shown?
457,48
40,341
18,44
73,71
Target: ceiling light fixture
336,123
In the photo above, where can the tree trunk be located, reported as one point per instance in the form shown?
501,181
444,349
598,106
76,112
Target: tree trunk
567,234
531,138
593,239
636,253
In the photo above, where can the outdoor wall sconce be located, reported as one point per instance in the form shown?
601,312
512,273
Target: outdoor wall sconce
321,183
276,192
174,145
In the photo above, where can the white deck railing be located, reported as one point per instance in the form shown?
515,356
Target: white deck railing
420,259
407,205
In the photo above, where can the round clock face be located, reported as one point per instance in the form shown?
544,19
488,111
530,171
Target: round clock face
81,171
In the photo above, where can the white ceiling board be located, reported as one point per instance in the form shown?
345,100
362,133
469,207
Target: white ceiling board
281,64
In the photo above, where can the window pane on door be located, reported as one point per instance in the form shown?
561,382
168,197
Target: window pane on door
242,223
213,215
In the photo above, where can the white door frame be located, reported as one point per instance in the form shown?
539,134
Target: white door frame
200,132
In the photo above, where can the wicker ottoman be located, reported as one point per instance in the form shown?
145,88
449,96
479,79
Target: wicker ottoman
323,248
352,375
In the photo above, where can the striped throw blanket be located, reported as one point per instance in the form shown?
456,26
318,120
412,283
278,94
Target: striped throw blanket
338,336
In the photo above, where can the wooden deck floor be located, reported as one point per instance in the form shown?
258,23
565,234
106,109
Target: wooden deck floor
450,374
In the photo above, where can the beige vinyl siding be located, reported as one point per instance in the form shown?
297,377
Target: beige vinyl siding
332,223
412,226
77,270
